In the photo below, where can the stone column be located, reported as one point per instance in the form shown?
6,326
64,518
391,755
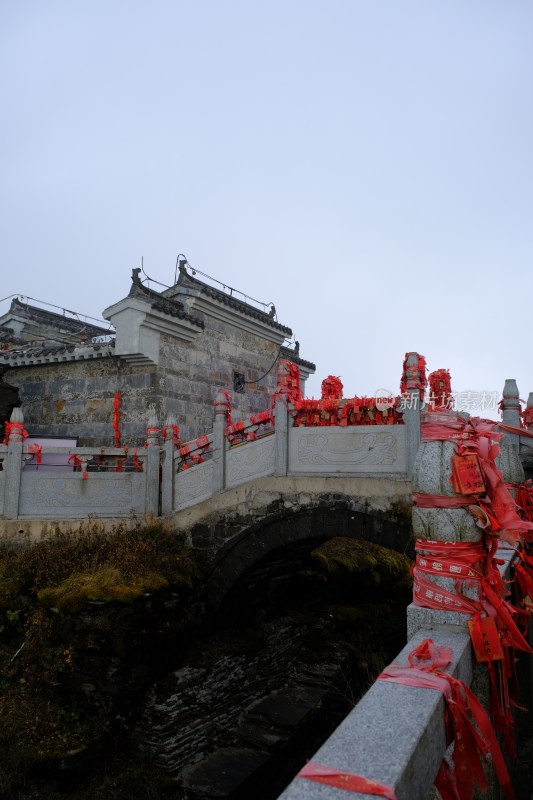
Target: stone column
509,459
219,442
433,475
13,464
167,471
151,466
412,407
281,416
511,410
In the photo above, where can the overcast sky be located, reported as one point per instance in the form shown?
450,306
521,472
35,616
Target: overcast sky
366,166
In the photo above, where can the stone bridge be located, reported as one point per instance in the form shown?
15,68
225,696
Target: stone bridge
240,501
247,523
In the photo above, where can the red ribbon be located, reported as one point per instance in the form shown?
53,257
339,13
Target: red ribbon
226,403
116,418
466,722
457,560
14,428
173,432
480,437
414,377
442,500
76,461
527,417
345,780
36,450
344,412
190,458
440,388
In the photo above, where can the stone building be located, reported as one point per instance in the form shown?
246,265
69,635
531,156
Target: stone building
163,352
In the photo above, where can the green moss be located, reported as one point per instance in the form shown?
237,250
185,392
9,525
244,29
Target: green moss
400,509
346,556
105,585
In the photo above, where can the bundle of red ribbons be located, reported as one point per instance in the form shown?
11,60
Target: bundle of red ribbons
192,453
497,627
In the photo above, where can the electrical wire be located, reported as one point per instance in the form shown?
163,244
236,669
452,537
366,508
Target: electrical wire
224,285
59,339
76,314
153,279
257,380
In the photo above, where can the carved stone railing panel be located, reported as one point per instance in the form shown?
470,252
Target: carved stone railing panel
249,461
68,495
368,449
193,485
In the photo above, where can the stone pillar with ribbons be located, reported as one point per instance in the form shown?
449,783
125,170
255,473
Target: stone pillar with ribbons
281,420
412,385
151,466
462,512
432,476
170,441
222,416
14,463
510,406
285,391
508,460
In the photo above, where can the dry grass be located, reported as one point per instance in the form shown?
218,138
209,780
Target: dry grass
45,589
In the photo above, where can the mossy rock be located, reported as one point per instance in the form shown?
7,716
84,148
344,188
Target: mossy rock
104,585
343,556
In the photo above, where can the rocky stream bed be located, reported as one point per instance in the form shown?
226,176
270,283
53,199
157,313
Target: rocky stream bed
161,698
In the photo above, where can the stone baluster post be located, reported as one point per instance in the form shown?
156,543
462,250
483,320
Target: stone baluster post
168,469
511,410
84,461
412,407
219,442
13,464
282,419
509,459
151,466
282,425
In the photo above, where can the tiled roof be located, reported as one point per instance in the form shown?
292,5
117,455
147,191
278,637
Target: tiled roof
187,281
293,355
70,325
159,302
30,351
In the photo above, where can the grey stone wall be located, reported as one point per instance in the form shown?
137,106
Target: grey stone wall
189,375
75,399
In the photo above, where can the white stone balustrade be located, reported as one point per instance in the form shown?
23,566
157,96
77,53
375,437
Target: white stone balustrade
78,490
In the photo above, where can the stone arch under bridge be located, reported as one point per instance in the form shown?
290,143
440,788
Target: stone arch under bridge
289,533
